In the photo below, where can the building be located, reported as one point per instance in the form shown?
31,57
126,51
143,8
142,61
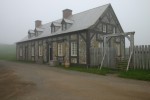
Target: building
71,39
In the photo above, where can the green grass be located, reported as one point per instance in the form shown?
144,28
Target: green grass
131,74
136,74
7,52
103,71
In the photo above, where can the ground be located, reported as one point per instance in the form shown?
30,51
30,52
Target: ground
41,82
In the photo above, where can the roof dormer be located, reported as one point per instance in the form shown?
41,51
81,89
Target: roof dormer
66,24
55,26
31,33
38,31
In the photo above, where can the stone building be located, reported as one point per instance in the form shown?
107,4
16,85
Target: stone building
71,38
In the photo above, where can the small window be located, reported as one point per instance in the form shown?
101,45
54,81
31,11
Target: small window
60,53
52,29
40,50
74,49
104,28
63,27
20,51
32,51
114,30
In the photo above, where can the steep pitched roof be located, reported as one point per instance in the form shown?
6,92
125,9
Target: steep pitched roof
80,21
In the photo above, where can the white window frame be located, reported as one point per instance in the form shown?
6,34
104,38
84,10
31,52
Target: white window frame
104,28
20,52
32,51
60,51
40,50
73,48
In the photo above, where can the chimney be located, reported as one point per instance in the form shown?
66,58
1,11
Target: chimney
38,23
67,13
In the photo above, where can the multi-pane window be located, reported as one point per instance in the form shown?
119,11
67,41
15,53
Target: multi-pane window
104,28
40,50
73,48
20,51
32,51
60,53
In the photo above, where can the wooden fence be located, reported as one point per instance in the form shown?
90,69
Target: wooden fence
141,57
96,55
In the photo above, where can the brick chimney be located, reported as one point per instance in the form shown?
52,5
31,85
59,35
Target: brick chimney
38,23
67,13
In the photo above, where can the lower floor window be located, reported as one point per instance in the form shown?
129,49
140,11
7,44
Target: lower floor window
73,48
20,51
32,51
60,53
40,50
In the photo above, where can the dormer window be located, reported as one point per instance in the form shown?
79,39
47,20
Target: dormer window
53,29
31,33
55,26
66,24
64,27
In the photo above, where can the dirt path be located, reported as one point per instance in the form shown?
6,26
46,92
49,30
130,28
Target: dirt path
58,84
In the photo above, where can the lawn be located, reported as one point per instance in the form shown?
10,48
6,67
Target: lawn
131,74
136,74
7,52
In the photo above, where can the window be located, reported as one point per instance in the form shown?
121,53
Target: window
52,29
63,26
20,51
60,53
104,28
40,50
114,30
32,51
73,49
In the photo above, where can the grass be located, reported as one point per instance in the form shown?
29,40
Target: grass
7,52
136,74
103,71
94,70
131,74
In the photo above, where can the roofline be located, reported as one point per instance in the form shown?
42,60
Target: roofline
52,36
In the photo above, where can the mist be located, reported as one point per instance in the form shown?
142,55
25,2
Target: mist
18,16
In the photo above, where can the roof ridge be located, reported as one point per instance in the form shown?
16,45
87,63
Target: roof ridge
77,13
92,8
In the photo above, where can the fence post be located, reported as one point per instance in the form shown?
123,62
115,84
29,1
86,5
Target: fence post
149,56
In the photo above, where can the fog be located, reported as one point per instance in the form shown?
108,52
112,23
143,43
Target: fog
18,16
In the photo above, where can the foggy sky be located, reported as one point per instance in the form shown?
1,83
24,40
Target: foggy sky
18,16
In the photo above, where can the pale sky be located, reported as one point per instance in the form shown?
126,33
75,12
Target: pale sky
18,16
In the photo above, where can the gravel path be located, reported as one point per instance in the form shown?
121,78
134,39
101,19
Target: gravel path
58,84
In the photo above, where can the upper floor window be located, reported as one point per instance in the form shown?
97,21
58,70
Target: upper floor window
104,28
73,48
40,50
63,26
20,51
114,30
52,29
60,47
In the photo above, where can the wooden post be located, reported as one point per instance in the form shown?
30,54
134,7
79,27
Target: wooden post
143,60
105,45
146,57
149,57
